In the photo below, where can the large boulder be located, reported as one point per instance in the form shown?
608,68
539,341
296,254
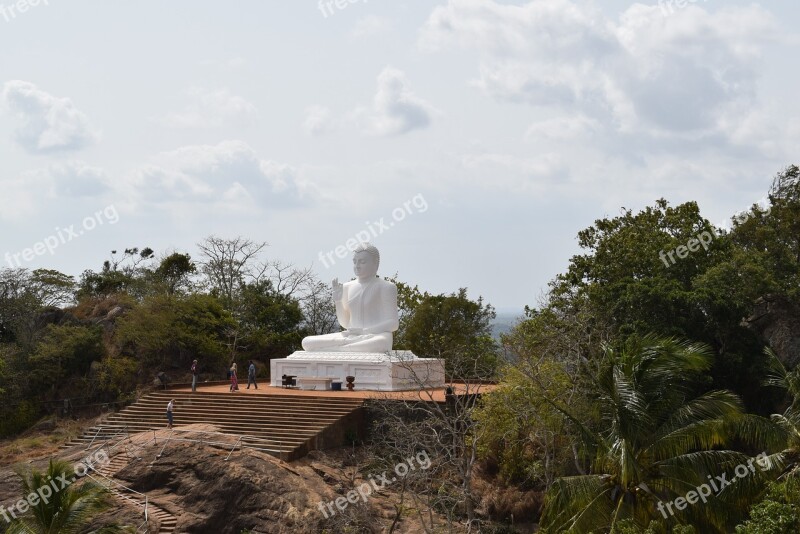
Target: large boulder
776,319
251,491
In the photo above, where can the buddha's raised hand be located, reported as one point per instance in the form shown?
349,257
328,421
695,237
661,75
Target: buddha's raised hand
337,290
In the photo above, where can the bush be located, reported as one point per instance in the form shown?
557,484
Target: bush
523,429
655,527
166,332
18,419
776,513
114,378
64,351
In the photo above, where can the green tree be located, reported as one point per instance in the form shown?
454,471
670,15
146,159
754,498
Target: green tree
527,438
104,283
174,272
167,331
52,288
653,440
19,408
129,274
228,264
67,511
777,513
114,378
457,329
632,281
772,236
269,321
319,311
3,366
25,296
408,298
784,433
65,350
627,273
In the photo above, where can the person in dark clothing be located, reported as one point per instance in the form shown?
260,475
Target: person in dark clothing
251,375
194,376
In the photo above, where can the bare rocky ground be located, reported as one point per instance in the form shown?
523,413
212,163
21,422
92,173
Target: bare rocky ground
33,450
251,492
11,491
258,493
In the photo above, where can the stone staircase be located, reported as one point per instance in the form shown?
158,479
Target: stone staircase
104,475
284,425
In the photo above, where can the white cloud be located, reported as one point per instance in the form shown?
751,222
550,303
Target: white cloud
318,121
207,108
679,76
563,128
78,179
371,25
47,123
208,174
395,109
232,63
493,171
24,196
33,192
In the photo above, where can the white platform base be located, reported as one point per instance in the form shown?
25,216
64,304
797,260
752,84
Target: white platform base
396,370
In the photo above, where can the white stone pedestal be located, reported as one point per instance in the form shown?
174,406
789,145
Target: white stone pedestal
395,370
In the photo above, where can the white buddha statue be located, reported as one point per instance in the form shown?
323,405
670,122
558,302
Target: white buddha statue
366,308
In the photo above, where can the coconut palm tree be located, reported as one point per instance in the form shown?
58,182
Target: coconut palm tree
786,429
66,511
656,440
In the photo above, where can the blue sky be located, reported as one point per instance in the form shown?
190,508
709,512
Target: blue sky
504,127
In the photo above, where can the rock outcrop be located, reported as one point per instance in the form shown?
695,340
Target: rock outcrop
251,491
777,320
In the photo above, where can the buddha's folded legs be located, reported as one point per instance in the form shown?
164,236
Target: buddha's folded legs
337,342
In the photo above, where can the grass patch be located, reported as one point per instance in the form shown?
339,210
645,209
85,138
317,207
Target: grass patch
39,444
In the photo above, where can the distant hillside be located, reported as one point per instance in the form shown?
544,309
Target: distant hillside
504,322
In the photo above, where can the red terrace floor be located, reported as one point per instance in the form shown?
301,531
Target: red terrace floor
431,395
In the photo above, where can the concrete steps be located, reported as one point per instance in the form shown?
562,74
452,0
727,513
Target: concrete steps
284,425
167,522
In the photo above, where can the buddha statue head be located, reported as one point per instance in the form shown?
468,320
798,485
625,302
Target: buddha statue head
366,259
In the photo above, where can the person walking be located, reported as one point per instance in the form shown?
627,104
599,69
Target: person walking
234,381
194,376
251,375
170,406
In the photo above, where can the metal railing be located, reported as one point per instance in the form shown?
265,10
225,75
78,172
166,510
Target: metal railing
110,449
127,441
171,431
89,446
124,429
239,441
111,482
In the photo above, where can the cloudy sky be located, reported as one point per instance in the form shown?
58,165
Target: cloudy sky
472,139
